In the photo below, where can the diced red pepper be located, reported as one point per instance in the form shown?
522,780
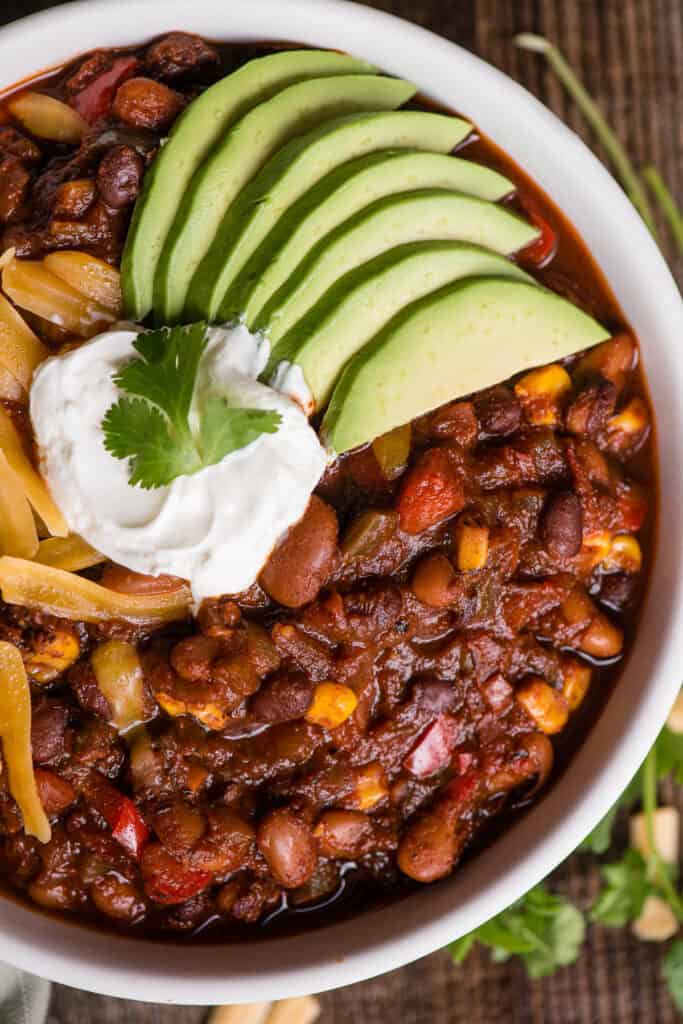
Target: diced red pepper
166,880
431,493
120,813
432,752
94,103
540,252
130,829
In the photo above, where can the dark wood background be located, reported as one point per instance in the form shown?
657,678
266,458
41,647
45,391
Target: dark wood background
630,54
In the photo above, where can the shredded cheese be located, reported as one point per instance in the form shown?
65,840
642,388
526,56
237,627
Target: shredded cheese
33,486
15,733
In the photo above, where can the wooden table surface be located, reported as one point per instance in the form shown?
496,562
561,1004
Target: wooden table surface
630,54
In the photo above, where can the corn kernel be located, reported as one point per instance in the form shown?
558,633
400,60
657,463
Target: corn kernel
473,547
371,787
332,705
196,776
170,705
624,555
52,653
633,418
675,719
666,828
547,707
540,392
576,680
657,921
209,715
596,548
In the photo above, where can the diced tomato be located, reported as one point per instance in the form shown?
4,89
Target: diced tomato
166,880
94,103
432,752
130,829
540,252
56,794
431,493
632,508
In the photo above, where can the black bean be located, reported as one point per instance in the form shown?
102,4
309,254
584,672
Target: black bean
499,412
562,525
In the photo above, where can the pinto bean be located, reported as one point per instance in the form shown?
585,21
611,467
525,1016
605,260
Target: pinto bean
14,143
118,898
119,176
457,422
499,412
179,827
289,848
48,726
193,658
14,182
145,103
562,525
180,55
88,694
73,199
428,849
434,581
347,834
301,564
219,617
56,794
227,846
283,698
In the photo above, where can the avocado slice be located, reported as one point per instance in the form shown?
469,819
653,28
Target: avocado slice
349,189
351,313
465,337
285,178
428,214
252,141
194,134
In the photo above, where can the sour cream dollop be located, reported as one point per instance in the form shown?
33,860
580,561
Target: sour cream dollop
215,528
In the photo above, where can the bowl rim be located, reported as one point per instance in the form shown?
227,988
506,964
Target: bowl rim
381,940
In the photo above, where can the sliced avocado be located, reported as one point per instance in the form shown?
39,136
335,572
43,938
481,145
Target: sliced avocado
240,156
426,215
194,135
352,312
463,338
351,188
285,178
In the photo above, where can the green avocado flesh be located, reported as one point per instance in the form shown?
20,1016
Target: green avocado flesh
426,215
466,337
194,135
416,159
264,130
294,170
351,313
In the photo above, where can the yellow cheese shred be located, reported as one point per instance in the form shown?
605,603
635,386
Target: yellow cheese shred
120,677
15,733
18,534
34,488
20,349
70,553
69,596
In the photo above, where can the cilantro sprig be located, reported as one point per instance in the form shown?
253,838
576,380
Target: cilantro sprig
151,426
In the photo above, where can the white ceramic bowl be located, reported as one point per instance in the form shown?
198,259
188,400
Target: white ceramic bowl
381,940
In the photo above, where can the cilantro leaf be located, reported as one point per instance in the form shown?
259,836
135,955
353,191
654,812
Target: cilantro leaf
225,429
672,972
543,929
599,840
669,749
627,886
152,429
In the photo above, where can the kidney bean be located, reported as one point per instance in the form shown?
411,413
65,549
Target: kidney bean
179,55
179,826
562,525
218,618
228,845
88,694
262,651
145,103
619,590
289,848
301,564
93,98
428,849
499,412
48,726
456,421
14,182
56,794
119,176
118,898
591,408
73,199
284,698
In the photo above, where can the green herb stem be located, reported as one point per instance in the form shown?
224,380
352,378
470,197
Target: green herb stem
660,873
667,203
617,154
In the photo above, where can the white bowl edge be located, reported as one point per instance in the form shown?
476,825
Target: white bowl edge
382,940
